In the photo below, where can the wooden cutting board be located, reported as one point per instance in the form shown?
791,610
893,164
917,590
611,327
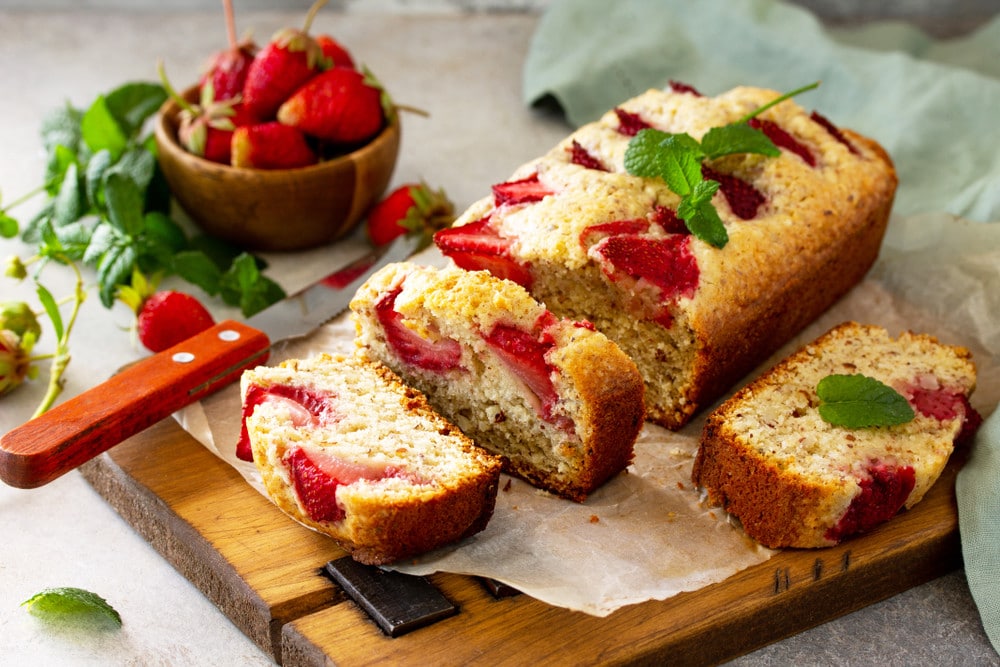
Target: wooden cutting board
263,571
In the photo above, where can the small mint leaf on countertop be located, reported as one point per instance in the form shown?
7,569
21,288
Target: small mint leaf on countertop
859,401
66,604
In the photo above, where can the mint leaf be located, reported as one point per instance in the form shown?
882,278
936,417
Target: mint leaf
68,603
244,285
100,130
132,103
858,401
8,226
700,216
737,138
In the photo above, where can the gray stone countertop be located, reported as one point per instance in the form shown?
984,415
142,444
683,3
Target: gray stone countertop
464,68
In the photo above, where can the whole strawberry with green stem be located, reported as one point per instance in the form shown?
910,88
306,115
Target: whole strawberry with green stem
227,70
412,208
163,318
341,105
206,129
291,58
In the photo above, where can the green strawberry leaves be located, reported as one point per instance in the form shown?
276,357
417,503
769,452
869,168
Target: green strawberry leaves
108,205
859,401
677,159
67,604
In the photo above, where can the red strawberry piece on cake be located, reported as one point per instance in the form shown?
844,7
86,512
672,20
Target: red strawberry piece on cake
338,105
305,407
291,58
271,145
523,191
581,156
743,198
680,87
668,220
524,354
833,130
660,270
630,123
884,490
477,246
783,139
433,355
595,233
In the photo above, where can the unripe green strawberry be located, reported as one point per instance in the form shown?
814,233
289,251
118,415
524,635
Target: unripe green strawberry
17,317
337,105
15,365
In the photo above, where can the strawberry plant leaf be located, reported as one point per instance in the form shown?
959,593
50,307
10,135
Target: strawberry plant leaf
125,202
67,603
8,226
99,129
68,204
51,309
859,401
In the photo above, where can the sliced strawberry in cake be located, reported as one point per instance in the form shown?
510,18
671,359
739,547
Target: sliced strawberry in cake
555,398
343,447
477,246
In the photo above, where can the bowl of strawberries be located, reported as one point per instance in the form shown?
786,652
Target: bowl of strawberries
282,147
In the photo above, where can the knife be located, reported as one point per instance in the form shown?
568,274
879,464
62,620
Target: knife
142,394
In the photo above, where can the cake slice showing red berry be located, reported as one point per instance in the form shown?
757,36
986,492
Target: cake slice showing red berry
556,399
839,437
345,448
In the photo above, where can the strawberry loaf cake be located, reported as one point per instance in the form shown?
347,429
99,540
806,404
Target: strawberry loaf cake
793,479
593,242
345,448
558,401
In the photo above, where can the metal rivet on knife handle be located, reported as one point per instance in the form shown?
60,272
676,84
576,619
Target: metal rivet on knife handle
397,602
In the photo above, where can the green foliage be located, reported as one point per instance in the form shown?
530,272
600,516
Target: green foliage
858,401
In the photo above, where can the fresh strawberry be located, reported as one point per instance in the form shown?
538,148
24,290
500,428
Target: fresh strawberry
440,355
413,208
270,145
335,52
478,247
167,318
227,69
783,139
629,123
291,58
744,199
523,191
338,105
206,129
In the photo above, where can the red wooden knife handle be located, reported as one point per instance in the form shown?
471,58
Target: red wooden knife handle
142,394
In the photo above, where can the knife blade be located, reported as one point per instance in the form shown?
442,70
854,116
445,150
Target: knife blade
78,429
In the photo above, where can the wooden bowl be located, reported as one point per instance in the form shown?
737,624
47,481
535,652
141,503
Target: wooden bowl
280,209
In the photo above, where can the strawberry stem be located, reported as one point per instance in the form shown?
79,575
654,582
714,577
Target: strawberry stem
312,14
227,9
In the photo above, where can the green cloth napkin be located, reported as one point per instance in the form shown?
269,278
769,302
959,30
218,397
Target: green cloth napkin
932,104
937,118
